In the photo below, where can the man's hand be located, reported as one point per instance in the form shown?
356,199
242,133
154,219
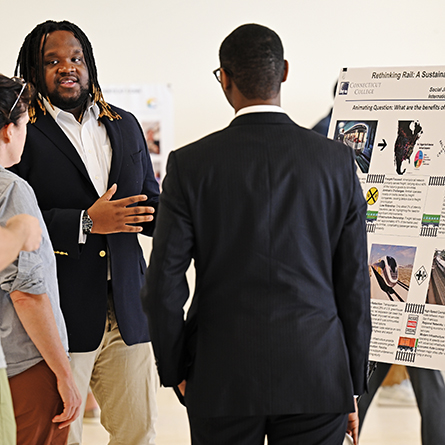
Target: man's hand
353,423
115,216
71,402
27,228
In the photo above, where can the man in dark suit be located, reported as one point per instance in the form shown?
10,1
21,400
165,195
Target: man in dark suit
89,166
276,339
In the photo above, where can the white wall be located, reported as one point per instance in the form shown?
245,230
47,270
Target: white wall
177,42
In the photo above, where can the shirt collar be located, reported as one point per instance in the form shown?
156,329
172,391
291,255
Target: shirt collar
260,109
56,111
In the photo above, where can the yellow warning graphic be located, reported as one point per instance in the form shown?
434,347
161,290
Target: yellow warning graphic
372,196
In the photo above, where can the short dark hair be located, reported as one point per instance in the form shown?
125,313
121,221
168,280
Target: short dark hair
30,65
9,91
253,56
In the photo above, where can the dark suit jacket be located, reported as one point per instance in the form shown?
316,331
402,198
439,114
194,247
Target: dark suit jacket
53,168
274,217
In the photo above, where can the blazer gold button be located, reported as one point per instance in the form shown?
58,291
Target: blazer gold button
102,253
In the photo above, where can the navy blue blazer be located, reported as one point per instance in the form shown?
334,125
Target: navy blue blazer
274,217
53,168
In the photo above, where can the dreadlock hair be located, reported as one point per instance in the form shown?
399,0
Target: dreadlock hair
9,92
30,65
253,56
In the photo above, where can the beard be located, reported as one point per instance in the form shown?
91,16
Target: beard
69,103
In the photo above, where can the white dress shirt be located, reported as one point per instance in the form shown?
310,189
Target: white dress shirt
91,142
260,109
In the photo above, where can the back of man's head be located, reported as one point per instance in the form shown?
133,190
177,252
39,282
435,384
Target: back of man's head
253,56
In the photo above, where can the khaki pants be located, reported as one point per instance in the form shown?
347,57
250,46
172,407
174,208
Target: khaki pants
7,421
124,382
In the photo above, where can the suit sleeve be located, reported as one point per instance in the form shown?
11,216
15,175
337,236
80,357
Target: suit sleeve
351,283
166,290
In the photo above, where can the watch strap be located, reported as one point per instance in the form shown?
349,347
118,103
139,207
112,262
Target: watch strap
87,223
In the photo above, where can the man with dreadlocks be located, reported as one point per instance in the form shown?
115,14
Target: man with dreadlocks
89,166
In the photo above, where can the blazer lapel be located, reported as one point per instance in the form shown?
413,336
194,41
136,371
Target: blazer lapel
116,141
46,124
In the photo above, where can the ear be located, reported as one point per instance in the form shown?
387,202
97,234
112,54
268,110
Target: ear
228,85
226,80
6,133
286,70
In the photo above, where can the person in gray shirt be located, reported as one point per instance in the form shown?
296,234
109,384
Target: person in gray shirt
21,232
32,328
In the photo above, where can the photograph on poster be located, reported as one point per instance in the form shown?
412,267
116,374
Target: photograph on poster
390,269
359,135
436,287
407,344
407,135
152,135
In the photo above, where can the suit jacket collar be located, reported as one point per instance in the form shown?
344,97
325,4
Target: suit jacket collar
262,118
117,145
48,126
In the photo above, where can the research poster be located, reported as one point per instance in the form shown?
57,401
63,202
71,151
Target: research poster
152,104
394,120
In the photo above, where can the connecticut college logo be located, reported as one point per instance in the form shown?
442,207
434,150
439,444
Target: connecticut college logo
344,87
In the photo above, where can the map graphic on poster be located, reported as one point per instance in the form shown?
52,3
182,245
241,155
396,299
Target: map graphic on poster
152,104
393,120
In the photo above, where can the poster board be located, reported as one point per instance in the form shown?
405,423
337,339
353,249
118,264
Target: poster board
394,120
152,104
